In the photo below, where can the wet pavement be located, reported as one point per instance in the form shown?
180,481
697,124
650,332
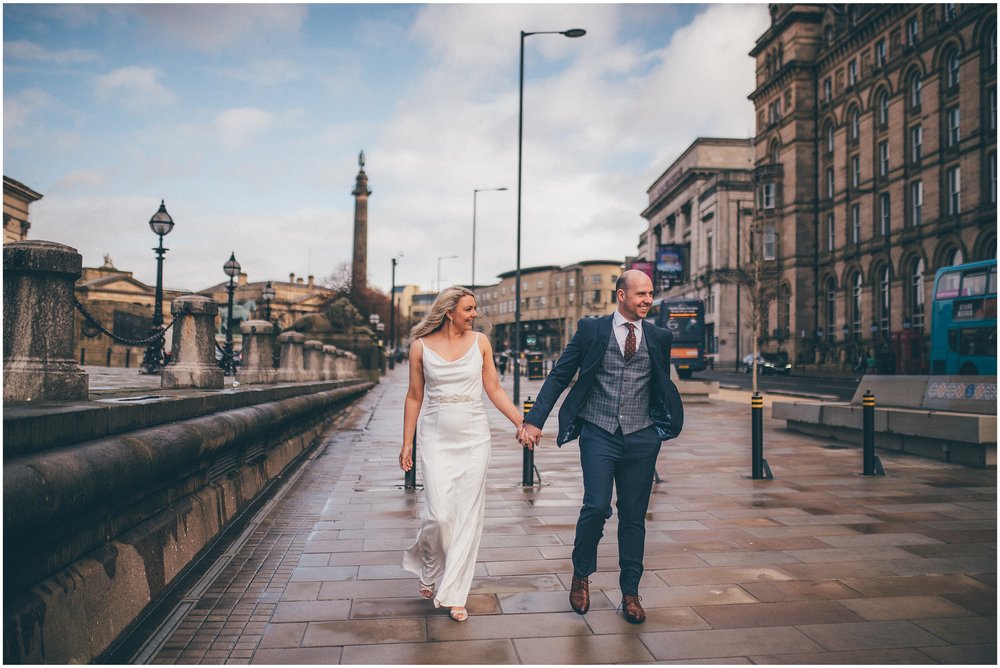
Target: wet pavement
819,565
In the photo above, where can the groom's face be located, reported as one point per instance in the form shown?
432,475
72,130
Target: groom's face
635,300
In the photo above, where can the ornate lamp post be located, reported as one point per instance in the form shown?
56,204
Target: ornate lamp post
392,316
267,295
475,192
574,32
232,269
161,223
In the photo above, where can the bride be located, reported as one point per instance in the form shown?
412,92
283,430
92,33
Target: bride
450,367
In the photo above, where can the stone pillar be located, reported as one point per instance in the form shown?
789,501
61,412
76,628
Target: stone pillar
313,360
193,363
290,367
329,362
258,361
352,365
38,313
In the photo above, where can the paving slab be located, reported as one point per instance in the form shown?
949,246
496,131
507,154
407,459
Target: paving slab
820,565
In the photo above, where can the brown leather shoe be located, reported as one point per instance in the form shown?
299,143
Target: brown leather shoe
579,595
634,614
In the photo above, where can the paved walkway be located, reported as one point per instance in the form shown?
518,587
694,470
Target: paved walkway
820,565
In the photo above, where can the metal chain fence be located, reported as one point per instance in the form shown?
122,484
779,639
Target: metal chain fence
114,337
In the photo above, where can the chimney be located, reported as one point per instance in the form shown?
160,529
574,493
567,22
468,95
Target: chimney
241,279
312,281
291,278
299,281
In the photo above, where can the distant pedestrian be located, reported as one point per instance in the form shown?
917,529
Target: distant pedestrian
502,366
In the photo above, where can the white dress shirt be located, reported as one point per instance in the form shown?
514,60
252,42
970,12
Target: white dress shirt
621,331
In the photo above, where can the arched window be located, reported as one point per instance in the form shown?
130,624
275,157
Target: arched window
992,57
856,289
916,296
828,134
916,87
883,301
883,109
952,69
957,258
775,153
855,124
831,308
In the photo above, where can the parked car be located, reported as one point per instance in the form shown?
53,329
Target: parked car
768,363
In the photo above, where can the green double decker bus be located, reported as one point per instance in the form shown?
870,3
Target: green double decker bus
964,320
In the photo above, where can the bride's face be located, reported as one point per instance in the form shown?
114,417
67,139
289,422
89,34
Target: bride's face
464,315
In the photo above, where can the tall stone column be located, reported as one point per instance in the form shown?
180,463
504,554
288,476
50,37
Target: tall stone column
38,311
359,264
257,367
290,366
193,363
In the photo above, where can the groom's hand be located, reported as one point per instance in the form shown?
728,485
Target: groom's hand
531,435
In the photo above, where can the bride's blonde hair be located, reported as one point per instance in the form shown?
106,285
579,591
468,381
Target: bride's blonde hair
444,303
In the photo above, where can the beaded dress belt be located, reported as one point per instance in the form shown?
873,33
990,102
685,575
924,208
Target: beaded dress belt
454,399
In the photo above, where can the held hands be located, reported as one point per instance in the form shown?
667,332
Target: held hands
528,435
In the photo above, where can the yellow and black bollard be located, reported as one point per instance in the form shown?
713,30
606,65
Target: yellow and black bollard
528,456
872,464
758,465
410,477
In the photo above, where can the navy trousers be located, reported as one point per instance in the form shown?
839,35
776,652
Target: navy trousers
626,463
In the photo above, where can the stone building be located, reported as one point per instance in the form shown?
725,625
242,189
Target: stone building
124,306
293,299
702,205
874,166
553,299
16,199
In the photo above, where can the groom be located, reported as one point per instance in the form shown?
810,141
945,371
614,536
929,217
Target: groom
621,407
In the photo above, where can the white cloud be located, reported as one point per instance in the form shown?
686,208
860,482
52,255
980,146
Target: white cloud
210,28
25,50
266,72
135,88
236,127
22,106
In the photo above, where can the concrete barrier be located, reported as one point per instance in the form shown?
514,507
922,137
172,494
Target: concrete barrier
257,366
290,363
193,363
95,532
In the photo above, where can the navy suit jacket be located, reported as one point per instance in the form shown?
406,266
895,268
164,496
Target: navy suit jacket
584,353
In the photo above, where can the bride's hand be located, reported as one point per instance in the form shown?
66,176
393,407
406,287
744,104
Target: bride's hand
406,457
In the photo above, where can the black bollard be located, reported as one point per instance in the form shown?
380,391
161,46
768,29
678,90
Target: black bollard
528,455
410,477
758,466
872,464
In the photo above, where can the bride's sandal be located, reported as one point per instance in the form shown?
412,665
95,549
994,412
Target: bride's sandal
459,614
426,591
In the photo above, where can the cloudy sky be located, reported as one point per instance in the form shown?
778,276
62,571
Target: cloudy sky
248,120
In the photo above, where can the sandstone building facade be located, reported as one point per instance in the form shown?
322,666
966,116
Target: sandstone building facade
874,166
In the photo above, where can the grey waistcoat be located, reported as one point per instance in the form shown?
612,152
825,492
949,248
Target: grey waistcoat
620,397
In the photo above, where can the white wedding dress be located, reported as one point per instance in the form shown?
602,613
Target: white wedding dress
453,451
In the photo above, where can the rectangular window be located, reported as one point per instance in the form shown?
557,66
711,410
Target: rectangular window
831,233
883,158
884,213
830,184
992,159
954,126
852,73
954,190
913,30
708,250
916,202
597,297
770,243
856,224
880,53
916,142
595,279
827,90
855,171
991,95
768,196
949,11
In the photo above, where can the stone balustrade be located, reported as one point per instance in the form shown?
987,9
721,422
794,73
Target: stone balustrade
257,367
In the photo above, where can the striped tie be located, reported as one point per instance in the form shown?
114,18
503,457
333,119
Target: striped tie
630,341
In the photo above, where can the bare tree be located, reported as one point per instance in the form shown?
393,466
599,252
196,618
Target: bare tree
757,275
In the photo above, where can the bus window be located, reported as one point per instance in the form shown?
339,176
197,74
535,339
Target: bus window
979,341
974,284
948,286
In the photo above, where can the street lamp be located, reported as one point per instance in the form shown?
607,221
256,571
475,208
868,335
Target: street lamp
444,257
232,269
574,32
392,316
475,192
267,294
161,223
